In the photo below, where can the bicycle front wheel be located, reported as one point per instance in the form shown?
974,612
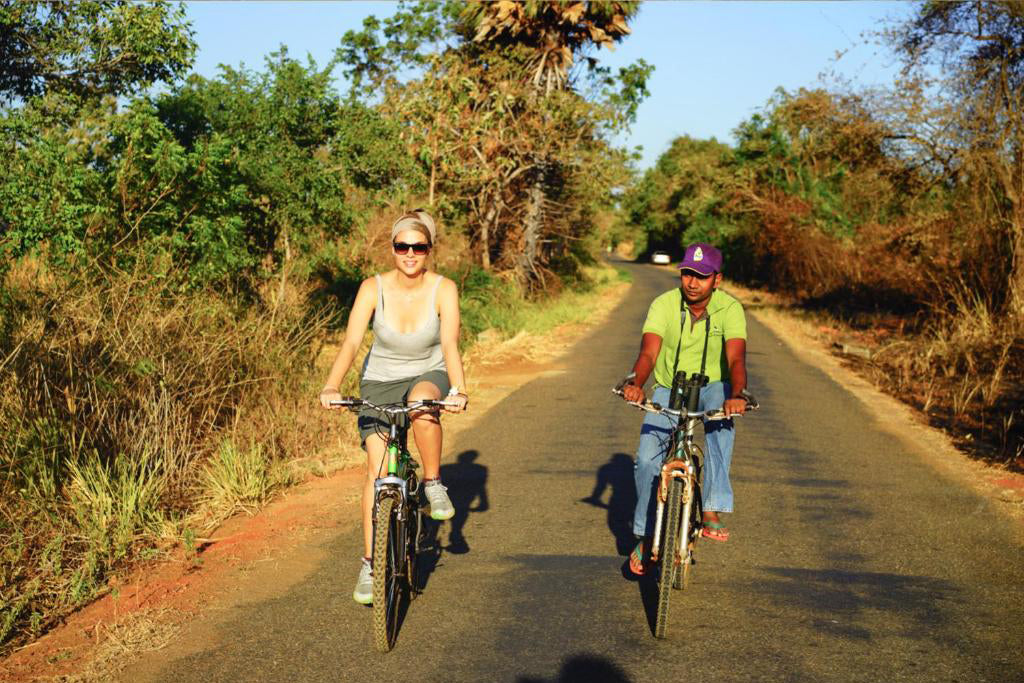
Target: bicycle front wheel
669,562
687,535
388,556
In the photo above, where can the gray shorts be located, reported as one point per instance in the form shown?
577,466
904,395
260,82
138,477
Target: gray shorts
396,391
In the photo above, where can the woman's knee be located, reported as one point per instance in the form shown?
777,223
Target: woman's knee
424,391
425,422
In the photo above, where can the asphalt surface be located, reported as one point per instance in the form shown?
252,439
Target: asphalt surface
851,559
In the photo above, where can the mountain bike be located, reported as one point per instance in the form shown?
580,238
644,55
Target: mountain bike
397,518
679,515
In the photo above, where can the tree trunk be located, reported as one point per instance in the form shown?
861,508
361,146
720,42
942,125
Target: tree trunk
489,219
1017,269
433,167
1013,182
485,240
532,229
433,178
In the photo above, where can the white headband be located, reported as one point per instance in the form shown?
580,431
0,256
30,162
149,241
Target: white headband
415,220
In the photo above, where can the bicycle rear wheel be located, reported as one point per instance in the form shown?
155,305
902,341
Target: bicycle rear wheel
669,549
388,556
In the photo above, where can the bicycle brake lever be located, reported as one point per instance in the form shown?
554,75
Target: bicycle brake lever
751,401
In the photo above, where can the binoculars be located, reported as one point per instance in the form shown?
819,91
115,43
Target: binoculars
686,390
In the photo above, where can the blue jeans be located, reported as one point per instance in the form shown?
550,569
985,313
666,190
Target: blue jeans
654,441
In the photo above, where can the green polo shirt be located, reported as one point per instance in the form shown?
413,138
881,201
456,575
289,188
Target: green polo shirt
727,322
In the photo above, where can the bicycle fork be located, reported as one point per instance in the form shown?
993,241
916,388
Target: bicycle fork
673,469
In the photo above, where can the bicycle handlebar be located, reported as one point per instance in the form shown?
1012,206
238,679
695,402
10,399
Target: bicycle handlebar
392,408
713,414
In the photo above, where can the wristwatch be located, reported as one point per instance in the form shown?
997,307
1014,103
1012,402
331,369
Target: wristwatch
454,391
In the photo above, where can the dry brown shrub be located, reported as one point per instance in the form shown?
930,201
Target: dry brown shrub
929,294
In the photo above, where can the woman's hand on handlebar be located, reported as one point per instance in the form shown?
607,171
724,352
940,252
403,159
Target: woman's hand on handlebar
327,395
460,401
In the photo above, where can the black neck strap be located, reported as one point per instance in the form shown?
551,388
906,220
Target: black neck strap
682,328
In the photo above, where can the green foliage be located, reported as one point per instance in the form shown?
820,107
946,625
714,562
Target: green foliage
369,147
229,177
404,41
90,49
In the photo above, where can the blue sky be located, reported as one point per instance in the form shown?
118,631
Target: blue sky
716,63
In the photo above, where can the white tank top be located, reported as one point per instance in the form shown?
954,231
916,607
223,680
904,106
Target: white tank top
395,355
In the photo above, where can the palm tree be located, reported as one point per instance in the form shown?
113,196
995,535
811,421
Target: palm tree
553,33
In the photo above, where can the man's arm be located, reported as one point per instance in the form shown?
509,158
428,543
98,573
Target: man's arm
736,356
650,346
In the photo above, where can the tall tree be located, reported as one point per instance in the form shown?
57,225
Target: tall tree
551,35
502,145
970,121
90,48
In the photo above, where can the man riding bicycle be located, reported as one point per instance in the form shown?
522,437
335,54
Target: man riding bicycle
696,328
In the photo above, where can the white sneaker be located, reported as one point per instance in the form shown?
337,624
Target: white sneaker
363,594
440,504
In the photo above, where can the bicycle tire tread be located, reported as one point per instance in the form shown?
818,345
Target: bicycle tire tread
668,555
382,637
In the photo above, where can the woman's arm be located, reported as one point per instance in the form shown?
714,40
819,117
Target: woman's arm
448,305
355,330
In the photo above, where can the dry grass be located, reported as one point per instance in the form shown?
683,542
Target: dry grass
131,411
124,640
931,307
965,369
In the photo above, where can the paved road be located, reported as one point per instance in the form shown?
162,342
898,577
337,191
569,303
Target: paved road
850,559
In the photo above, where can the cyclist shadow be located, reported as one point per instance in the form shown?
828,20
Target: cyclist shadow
617,475
467,484
648,585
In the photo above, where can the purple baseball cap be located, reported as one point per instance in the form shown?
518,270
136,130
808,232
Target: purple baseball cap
702,258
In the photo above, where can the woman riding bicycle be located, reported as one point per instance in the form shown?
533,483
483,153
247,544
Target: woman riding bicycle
415,356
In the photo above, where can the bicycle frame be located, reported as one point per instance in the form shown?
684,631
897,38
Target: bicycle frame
399,467
400,464
680,463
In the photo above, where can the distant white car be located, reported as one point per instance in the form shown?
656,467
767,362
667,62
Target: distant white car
661,258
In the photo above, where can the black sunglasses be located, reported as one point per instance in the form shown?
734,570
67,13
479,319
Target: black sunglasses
418,248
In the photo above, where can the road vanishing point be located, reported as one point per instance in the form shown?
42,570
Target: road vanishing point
851,557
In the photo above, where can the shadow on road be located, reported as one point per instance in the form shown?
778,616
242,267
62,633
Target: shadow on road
841,598
648,586
584,669
467,483
617,475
